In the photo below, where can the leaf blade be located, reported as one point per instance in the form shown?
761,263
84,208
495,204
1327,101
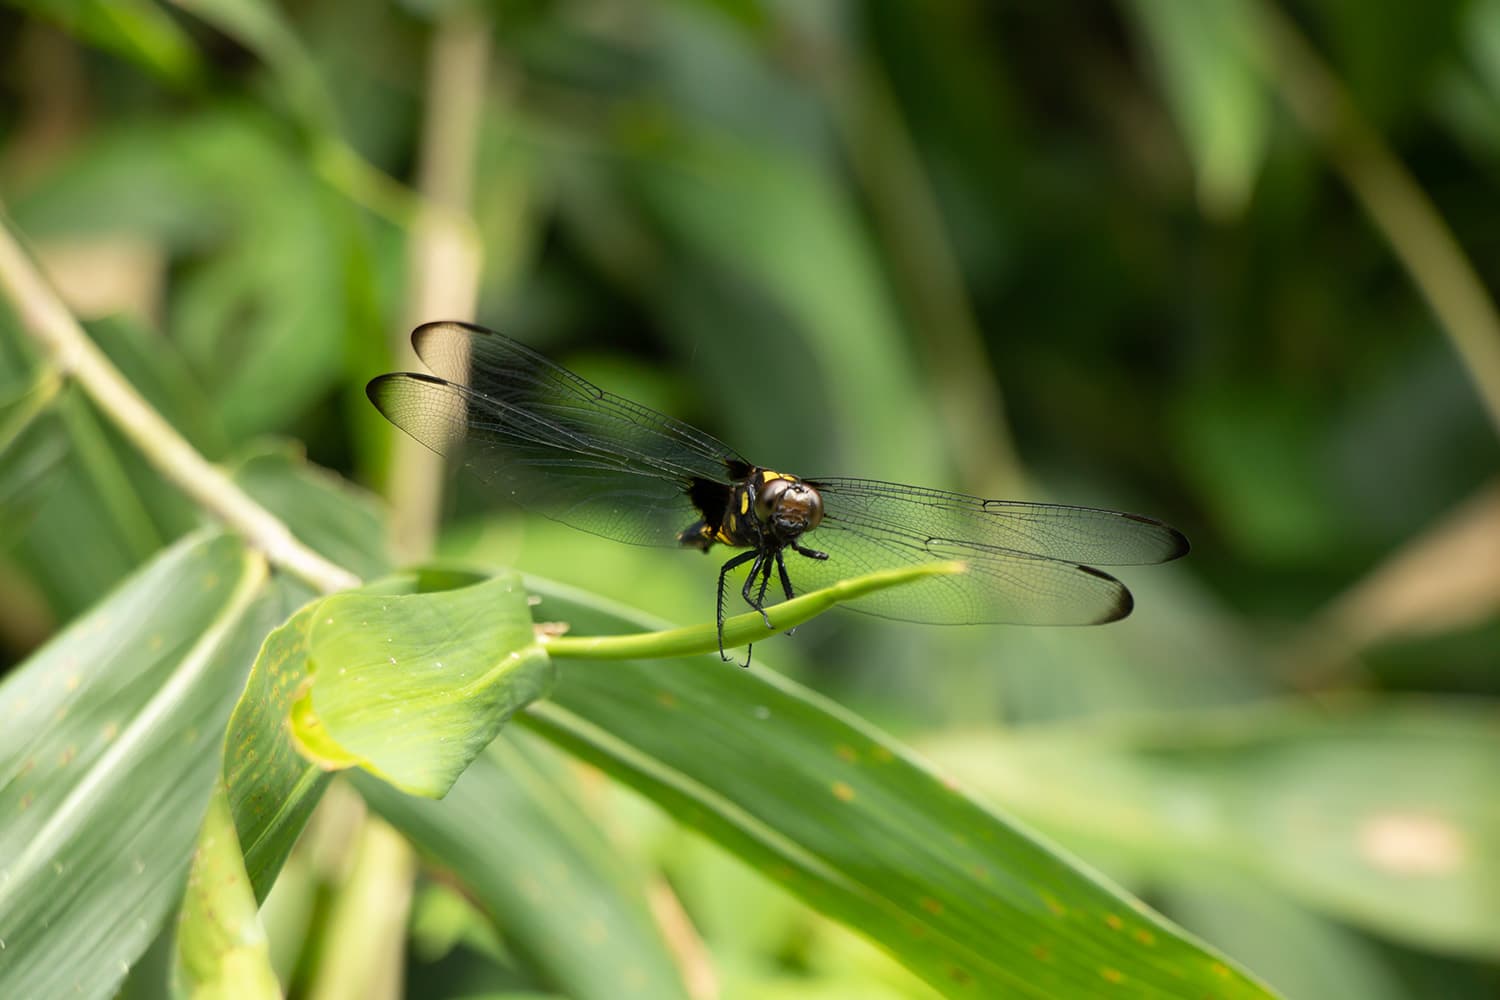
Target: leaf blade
859,828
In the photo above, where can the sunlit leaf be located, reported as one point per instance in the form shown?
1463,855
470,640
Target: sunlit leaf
411,687
271,788
109,740
856,826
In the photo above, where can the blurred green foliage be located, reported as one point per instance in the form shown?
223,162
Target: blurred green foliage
1081,250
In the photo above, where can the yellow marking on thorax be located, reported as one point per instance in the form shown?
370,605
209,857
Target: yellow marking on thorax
744,501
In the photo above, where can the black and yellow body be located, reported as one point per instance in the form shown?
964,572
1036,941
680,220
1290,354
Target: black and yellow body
761,510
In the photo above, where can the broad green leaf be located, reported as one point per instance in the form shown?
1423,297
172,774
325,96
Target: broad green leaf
464,662
271,787
859,828
513,834
221,946
1381,814
109,740
411,687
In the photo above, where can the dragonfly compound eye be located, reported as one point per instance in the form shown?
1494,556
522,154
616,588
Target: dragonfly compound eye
789,505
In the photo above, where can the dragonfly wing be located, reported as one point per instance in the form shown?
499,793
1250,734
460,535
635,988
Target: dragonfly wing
572,468
1052,531
998,588
1028,563
583,416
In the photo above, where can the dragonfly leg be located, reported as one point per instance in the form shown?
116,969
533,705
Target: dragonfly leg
761,568
786,582
810,553
738,560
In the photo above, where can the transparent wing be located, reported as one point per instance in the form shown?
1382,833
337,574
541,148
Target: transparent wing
553,456
1028,563
573,413
1054,531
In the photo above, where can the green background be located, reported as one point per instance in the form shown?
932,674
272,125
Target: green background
1175,258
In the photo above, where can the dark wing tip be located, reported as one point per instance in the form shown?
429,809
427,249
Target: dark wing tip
1123,603
377,387
431,326
1177,544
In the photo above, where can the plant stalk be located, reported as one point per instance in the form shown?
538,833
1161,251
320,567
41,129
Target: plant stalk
47,321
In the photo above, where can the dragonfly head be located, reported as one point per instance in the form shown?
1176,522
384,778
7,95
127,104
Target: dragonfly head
788,506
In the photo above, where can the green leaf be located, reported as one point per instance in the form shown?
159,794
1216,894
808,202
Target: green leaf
550,882
851,822
109,740
412,687
465,660
1380,814
221,946
271,788
101,496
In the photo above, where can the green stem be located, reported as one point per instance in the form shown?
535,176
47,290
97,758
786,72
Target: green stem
47,321
741,629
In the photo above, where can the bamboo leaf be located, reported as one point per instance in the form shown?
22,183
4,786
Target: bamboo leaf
412,687
858,827
221,946
109,740
550,882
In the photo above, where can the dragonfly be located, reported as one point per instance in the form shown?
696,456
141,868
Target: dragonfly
536,434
